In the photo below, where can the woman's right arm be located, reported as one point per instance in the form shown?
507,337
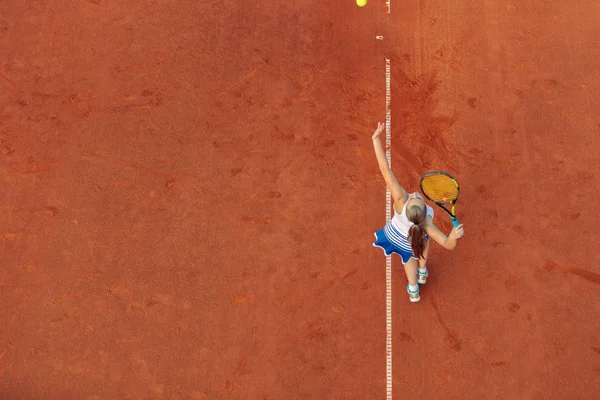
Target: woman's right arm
447,242
398,193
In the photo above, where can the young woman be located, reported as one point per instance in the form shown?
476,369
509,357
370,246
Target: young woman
408,232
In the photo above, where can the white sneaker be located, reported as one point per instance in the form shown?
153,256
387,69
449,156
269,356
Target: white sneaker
422,276
413,296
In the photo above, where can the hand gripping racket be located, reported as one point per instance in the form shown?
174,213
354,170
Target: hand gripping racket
441,188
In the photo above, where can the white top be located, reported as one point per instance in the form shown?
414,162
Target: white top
399,226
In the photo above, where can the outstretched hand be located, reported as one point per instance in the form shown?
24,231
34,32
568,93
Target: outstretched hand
457,232
378,131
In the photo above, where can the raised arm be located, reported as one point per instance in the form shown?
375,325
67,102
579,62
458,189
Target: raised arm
397,191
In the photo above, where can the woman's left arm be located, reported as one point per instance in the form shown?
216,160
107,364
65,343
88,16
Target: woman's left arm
398,193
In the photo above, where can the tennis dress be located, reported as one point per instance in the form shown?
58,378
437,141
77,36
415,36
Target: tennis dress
393,238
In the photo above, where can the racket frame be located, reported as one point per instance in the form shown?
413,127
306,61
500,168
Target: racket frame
442,204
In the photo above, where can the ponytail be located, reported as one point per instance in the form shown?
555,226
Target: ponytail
416,234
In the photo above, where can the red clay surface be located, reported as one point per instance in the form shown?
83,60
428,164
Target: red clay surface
190,194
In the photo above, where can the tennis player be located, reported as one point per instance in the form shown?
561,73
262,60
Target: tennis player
407,233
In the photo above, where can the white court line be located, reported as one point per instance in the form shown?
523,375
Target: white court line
388,216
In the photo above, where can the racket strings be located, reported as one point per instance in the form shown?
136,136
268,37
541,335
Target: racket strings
440,188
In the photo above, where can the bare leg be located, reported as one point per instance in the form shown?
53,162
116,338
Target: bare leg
411,271
422,276
423,261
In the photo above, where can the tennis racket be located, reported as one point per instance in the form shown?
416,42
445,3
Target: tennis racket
441,188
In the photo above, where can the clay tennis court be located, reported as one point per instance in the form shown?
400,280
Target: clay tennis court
189,195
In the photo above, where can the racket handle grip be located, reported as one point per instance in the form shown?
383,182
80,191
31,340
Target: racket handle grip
455,222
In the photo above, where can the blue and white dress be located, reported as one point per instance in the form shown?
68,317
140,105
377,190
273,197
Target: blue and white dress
393,238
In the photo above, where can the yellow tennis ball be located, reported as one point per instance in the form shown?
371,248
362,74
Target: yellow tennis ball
361,3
